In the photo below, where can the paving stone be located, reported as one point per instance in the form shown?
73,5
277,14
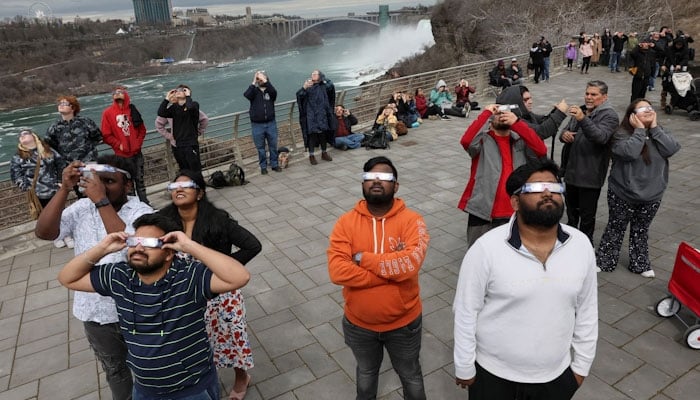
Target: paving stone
9,327
328,337
441,324
644,382
70,383
11,307
274,279
686,387
318,360
614,336
13,291
612,364
317,311
41,344
284,338
18,274
41,328
287,362
434,354
285,382
39,365
669,356
44,312
336,385
22,392
280,299
272,320
6,358
441,385
594,388
637,322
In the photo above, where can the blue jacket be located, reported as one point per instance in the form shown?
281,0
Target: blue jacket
262,102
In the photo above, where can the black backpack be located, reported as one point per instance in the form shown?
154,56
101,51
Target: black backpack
377,140
235,175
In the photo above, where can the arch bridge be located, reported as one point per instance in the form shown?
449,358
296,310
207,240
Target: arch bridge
293,28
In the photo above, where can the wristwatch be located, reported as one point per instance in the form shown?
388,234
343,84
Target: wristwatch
102,202
357,258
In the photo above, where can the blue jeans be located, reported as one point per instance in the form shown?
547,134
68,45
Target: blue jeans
654,74
545,69
265,131
353,140
402,344
614,60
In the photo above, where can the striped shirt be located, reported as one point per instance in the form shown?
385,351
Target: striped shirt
163,325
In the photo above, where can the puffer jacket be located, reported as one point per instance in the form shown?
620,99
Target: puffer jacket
50,170
76,139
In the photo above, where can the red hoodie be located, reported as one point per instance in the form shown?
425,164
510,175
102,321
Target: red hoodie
119,131
382,292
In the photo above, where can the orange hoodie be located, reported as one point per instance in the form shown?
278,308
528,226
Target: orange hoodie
381,293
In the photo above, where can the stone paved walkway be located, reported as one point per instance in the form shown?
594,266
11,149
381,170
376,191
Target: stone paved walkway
294,312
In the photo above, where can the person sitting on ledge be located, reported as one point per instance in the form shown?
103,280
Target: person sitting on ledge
344,138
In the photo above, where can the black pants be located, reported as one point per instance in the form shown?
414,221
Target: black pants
639,88
538,71
488,386
316,139
585,64
187,157
581,207
137,164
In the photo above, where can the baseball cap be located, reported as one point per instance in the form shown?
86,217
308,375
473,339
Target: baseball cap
515,59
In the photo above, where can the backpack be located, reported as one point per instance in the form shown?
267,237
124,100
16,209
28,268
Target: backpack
235,175
377,140
217,180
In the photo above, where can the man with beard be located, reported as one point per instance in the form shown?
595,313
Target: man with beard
376,251
161,299
526,299
495,153
105,209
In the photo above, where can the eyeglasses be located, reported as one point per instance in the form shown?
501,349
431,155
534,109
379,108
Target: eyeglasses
23,133
182,185
539,187
643,109
382,176
154,243
63,103
104,168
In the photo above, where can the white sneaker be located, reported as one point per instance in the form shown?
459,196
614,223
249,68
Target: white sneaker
69,242
648,274
597,269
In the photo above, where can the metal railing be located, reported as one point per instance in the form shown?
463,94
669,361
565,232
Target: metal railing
228,136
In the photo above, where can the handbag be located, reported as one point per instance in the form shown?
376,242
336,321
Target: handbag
35,206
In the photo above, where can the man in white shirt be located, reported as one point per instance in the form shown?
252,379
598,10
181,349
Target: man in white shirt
526,297
105,209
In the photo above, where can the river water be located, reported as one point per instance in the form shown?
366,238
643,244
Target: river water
347,61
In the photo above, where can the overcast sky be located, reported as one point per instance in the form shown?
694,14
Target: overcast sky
123,9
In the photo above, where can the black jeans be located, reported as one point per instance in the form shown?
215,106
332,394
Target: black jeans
316,139
581,207
488,386
109,347
137,163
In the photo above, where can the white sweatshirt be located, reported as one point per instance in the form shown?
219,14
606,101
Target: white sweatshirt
520,319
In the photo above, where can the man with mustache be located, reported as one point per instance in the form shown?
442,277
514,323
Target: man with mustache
495,152
526,299
160,299
376,251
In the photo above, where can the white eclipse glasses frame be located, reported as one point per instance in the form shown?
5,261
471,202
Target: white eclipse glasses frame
172,186
154,243
103,168
539,187
382,176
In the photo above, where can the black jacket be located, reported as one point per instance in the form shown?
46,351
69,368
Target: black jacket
262,102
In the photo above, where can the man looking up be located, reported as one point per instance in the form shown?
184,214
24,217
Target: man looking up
262,96
184,111
533,279
123,129
585,156
344,138
495,153
376,252
161,299
105,209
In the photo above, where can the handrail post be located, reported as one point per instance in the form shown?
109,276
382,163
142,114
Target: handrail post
238,156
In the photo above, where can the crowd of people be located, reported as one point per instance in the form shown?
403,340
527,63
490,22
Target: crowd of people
150,283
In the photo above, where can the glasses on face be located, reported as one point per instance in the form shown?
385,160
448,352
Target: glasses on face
23,133
154,243
63,103
382,176
104,168
539,187
643,109
118,91
182,185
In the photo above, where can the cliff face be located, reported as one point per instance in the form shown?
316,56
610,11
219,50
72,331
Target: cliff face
467,31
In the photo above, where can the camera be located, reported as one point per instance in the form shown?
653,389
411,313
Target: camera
507,107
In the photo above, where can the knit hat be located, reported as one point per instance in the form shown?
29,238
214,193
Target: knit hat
501,63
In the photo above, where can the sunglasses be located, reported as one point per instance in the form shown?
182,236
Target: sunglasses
539,187
182,185
643,109
382,176
104,168
154,243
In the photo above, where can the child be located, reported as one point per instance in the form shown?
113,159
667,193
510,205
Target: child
570,54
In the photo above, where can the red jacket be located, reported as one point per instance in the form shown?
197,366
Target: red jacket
120,131
421,105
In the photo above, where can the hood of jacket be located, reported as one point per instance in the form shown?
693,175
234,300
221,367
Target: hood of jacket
440,83
511,95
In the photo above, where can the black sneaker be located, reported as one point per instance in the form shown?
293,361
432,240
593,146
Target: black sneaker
343,146
444,117
263,171
277,169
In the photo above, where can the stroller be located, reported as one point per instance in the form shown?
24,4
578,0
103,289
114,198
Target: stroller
684,91
685,290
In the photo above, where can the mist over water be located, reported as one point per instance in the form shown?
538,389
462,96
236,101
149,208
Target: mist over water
347,61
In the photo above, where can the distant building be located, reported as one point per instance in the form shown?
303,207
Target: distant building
153,12
190,16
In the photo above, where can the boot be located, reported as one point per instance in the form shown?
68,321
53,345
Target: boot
663,100
312,160
326,156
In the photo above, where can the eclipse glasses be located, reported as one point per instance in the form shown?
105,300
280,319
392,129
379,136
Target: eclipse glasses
182,185
154,243
539,187
382,176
